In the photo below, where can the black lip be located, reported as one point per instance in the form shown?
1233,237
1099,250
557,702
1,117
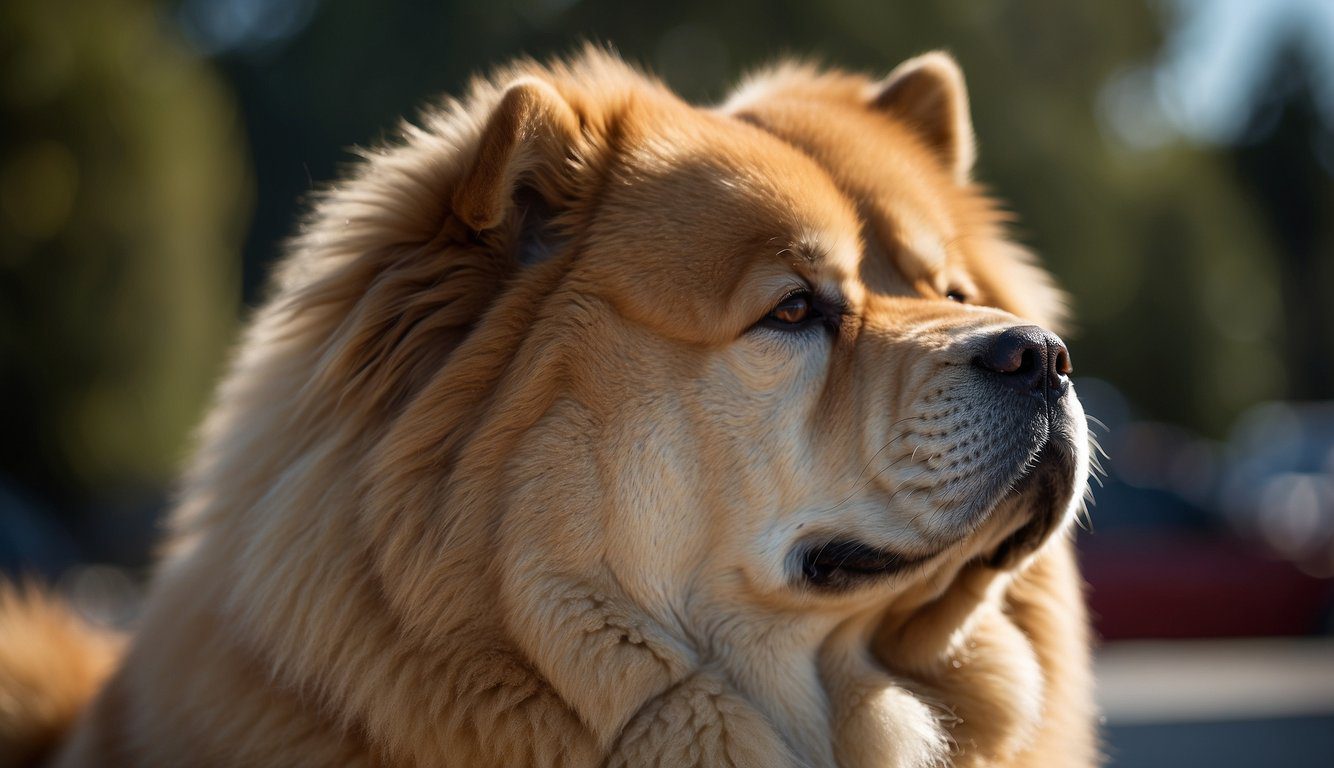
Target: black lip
841,564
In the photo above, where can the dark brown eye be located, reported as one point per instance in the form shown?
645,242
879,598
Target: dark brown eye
793,310
956,296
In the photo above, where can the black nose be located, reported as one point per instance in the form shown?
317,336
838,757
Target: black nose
1028,359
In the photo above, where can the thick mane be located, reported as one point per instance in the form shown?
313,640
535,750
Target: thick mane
382,252
347,532
383,283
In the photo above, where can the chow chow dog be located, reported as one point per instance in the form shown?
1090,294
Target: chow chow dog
587,427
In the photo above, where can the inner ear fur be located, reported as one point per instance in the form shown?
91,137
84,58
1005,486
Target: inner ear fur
528,138
928,95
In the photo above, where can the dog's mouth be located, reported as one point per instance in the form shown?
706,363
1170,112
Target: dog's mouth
1042,490
840,564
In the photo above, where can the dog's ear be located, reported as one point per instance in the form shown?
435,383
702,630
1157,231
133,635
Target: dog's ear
928,95
526,141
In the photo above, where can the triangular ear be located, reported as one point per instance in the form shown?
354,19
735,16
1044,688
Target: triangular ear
927,94
530,134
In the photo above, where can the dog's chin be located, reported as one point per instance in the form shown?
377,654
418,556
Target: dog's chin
1034,504
1040,501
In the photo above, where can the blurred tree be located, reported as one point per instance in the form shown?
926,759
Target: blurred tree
1276,162
123,183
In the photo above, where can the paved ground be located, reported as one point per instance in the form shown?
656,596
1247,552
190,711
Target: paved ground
1295,742
1221,704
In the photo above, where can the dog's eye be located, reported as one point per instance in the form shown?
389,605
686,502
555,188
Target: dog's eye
956,296
794,310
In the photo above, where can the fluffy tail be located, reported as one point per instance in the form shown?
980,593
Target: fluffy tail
51,664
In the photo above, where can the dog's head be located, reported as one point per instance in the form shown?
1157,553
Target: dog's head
787,336
644,383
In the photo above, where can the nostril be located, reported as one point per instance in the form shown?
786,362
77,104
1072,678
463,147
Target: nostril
1001,358
1060,369
1061,361
1014,351
1028,362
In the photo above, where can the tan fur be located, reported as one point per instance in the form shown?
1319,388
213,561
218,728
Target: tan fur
458,504
51,663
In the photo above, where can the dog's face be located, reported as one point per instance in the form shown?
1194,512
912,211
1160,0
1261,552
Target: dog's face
818,373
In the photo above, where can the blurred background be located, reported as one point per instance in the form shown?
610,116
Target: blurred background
1172,162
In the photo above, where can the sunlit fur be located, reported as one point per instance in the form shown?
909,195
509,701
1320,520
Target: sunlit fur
451,509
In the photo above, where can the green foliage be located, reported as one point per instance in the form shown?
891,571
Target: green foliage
122,190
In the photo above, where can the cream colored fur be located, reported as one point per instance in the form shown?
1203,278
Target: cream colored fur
454,509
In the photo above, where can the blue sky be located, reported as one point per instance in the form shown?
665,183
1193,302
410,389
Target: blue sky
1218,52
